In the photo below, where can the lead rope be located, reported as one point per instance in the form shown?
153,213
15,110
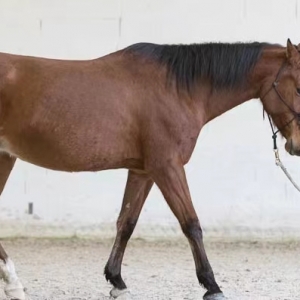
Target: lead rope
277,158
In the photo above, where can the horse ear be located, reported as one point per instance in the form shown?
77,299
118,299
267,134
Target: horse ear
291,50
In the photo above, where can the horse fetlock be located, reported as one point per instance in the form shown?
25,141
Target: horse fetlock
207,280
123,294
114,277
110,273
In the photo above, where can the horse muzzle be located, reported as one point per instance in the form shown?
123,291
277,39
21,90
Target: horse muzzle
291,148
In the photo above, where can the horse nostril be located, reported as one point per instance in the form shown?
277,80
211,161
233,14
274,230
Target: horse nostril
289,146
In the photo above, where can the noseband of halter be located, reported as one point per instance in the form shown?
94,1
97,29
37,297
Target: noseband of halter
274,136
295,114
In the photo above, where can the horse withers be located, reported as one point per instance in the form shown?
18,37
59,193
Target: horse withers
141,108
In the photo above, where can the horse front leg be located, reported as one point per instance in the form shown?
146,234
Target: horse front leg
13,288
171,180
137,189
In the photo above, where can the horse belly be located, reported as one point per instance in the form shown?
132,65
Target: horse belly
82,154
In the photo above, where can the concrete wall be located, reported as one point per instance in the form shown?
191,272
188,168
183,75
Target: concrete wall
236,187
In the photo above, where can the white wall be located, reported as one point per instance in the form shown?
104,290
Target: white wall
236,187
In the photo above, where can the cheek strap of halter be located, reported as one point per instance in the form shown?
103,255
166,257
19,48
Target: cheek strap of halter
274,136
278,162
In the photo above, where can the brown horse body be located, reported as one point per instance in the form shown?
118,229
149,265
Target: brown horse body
132,109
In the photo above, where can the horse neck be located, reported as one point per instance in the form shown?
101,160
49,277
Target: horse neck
260,79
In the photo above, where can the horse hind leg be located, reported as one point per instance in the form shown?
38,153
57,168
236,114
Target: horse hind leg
13,288
137,189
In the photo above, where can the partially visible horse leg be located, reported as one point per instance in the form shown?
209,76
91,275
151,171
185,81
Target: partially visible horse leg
14,288
137,189
172,182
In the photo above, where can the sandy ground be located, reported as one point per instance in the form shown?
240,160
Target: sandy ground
72,269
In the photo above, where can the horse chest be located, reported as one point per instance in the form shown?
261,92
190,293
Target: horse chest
4,146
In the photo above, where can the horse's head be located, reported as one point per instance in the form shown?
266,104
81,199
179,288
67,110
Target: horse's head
282,99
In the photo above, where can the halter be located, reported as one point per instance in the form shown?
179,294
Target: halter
274,136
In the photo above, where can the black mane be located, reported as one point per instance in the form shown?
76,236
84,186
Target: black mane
225,65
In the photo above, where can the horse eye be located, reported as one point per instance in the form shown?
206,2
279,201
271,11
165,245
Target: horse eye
298,91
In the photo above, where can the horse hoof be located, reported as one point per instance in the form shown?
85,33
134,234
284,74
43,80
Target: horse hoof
15,291
218,296
120,294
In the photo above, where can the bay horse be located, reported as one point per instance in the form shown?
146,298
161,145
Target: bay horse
140,108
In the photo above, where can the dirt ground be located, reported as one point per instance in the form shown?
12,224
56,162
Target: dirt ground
73,269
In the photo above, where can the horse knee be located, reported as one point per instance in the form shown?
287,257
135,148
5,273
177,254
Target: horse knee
126,228
192,229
